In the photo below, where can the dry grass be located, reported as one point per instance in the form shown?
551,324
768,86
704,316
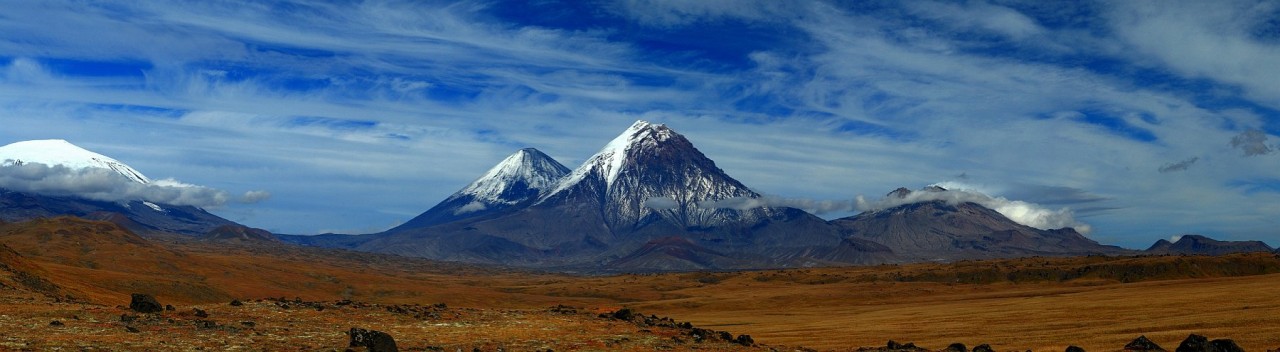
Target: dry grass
1040,304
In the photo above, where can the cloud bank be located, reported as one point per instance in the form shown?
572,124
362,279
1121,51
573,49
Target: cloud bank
107,185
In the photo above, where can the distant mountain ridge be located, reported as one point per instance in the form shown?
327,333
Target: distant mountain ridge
1198,244
936,230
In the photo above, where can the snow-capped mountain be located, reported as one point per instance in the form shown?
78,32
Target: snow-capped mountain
651,170
648,183
515,182
53,152
137,215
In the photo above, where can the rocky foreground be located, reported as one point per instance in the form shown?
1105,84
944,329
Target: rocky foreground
279,324
31,323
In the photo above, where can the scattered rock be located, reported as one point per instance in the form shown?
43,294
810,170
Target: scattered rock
376,341
56,323
1142,343
169,307
956,347
744,340
200,312
1074,348
128,317
236,303
131,329
248,324
983,348
145,303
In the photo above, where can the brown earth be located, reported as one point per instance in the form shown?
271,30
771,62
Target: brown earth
1099,303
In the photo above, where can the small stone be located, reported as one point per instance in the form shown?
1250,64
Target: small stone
200,312
983,348
956,347
744,340
169,307
236,303
56,323
1074,348
131,329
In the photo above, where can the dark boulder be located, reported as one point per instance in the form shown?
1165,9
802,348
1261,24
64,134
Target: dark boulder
1142,343
376,341
1225,345
199,312
145,303
236,303
745,340
1195,343
956,347
983,348
56,323
1074,348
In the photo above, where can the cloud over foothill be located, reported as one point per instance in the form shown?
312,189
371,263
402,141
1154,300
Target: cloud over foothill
107,185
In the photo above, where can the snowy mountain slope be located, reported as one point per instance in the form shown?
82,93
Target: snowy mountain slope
516,181
650,170
137,215
60,152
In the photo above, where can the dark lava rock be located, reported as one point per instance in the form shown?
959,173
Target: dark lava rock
983,348
1142,343
1074,348
169,307
376,341
1225,345
131,329
895,346
248,324
200,312
145,303
744,340
128,317
236,303
56,323
1195,343
956,347
624,314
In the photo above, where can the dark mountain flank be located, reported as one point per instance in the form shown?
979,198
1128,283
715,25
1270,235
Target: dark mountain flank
940,230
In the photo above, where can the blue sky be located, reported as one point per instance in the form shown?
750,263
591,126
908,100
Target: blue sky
1144,119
